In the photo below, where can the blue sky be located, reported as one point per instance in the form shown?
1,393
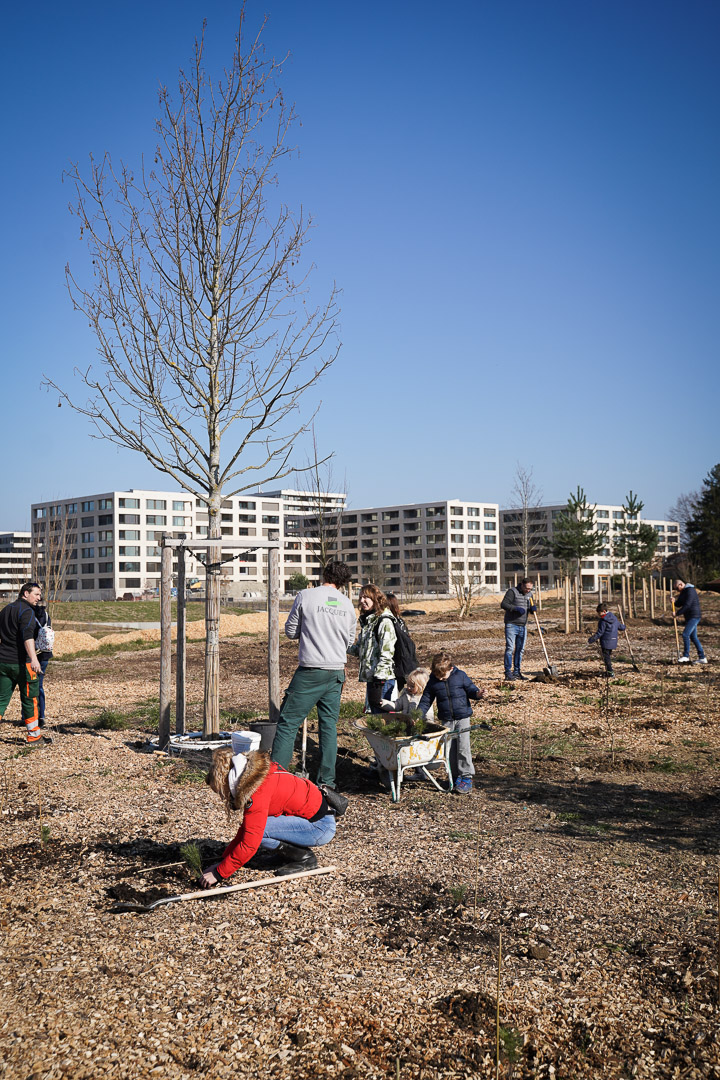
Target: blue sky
518,200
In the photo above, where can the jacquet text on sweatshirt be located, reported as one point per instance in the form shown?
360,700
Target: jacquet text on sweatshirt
324,622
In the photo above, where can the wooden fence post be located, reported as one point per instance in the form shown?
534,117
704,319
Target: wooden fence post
652,597
567,604
274,634
165,643
180,651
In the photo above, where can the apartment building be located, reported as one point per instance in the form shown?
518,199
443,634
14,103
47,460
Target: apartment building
418,548
110,541
608,523
15,562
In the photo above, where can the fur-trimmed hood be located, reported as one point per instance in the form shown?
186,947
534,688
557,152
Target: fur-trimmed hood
256,772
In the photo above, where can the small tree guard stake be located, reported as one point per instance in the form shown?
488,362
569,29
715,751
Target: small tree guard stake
718,956
477,860
40,812
497,1012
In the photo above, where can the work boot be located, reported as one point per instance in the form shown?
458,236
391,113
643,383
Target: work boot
294,859
265,859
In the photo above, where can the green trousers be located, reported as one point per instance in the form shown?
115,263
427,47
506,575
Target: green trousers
309,687
22,676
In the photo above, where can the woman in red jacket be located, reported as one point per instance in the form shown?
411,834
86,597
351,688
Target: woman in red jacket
281,814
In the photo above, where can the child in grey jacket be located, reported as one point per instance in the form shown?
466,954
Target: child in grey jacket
607,636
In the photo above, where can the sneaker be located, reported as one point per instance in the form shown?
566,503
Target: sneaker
463,785
701,660
510,678
683,659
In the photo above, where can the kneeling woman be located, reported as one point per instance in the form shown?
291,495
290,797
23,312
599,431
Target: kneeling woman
281,814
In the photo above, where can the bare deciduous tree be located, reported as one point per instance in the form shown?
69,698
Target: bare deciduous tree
322,525
52,555
205,342
682,512
525,529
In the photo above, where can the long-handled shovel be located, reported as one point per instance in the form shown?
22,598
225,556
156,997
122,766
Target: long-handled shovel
632,658
303,768
551,669
677,636
211,894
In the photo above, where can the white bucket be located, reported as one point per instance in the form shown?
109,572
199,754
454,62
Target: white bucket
245,741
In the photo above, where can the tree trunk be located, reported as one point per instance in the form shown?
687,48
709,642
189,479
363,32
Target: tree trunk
180,650
211,723
273,596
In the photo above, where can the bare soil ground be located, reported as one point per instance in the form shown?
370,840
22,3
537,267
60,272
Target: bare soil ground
590,844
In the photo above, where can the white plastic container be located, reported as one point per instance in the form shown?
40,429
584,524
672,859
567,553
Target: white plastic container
245,741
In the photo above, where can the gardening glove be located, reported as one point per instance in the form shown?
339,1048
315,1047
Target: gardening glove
386,706
532,607
518,610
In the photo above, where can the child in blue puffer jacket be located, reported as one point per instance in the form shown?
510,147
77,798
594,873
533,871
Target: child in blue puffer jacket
607,636
452,690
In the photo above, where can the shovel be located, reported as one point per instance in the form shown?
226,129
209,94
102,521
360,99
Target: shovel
551,669
210,894
632,658
677,636
303,768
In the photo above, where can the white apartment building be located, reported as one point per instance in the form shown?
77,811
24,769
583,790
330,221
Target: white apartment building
112,540
608,522
15,562
420,548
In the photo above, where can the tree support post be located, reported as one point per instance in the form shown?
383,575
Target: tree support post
567,604
180,653
211,724
274,634
165,643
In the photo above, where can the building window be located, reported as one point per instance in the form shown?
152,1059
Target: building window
489,513
87,537
130,504
129,567
456,538
71,508
88,583
130,583
181,520
86,507
129,519
105,568
103,552
178,504
87,553
456,511
156,519
87,521
105,504
105,583
129,550
473,511
270,519
129,534
154,568
155,504
105,519
390,515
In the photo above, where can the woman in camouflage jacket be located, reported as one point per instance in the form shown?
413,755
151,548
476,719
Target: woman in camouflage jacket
375,646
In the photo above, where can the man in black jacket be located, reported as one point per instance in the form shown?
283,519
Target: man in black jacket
688,605
19,665
516,604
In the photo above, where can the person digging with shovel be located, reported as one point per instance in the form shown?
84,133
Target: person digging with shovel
282,816
687,604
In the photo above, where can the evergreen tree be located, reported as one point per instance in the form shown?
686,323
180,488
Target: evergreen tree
704,525
636,542
575,538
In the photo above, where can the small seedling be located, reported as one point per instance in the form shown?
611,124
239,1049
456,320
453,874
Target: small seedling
191,854
44,834
458,893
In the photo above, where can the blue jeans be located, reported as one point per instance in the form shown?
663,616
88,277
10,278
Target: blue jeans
44,659
298,831
689,634
514,647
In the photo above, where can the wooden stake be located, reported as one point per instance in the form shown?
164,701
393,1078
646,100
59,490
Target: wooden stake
477,861
719,937
645,596
274,634
40,812
165,644
652,598
497,1012
567,605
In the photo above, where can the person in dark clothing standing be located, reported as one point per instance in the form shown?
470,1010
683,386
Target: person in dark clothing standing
688,605
19,664
516,603
607,636
43,647
452,690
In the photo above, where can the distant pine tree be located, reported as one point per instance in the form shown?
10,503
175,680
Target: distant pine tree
704,526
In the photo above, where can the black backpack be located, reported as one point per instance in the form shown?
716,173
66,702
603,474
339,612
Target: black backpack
405,658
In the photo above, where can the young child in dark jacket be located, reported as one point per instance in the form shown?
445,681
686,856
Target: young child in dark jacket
607,635
451,690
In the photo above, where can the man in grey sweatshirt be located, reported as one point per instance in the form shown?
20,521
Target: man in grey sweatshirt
323,620
516,603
